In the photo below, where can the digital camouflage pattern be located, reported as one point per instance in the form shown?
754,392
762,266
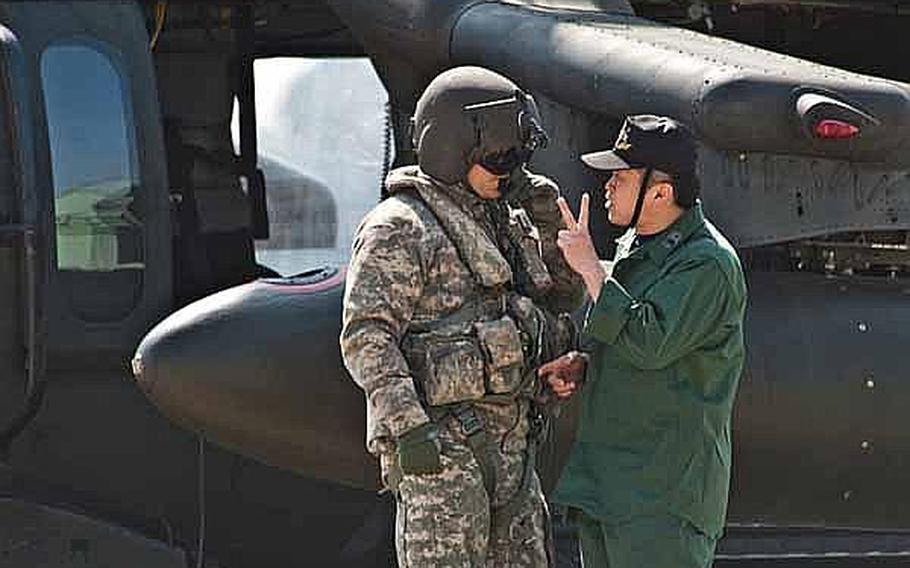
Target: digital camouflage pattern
405,272
445,519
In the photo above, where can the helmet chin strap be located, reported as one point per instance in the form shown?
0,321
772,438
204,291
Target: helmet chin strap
504,187
640,201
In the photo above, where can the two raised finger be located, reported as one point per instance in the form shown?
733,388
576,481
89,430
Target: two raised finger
569,218
583,212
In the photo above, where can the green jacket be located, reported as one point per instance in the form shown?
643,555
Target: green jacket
666,339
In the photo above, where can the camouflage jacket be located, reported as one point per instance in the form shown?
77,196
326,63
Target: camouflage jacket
407,271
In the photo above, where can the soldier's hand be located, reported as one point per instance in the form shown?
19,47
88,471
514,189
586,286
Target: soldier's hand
565,374
419,450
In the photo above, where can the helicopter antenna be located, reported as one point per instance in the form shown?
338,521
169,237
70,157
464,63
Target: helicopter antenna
200,545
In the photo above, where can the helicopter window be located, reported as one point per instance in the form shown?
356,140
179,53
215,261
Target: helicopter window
99,230
324,146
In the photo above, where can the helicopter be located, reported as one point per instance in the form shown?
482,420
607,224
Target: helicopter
171,399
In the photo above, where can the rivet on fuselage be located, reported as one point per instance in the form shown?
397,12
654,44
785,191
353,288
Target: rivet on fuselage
866,446
862,326
846,495
870,383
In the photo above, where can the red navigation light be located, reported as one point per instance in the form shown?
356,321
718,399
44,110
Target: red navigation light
831,129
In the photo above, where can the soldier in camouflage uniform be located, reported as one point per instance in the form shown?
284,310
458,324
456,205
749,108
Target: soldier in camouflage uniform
455,295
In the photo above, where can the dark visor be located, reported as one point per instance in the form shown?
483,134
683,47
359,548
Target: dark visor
504,163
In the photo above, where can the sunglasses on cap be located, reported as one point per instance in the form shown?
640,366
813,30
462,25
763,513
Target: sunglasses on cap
504,163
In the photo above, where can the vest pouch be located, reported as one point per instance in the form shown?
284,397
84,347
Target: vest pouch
527,237
501,344
455,371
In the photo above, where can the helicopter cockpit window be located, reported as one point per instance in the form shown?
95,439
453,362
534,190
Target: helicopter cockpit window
99,230
324,145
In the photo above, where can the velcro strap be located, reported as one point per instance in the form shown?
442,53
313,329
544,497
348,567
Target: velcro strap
471,422
478,440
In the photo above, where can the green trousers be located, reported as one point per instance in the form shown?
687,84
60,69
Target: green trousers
662,541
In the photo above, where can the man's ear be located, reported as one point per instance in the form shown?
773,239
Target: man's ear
664,190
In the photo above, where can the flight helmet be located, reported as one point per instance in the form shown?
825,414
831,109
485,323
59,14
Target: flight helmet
471,115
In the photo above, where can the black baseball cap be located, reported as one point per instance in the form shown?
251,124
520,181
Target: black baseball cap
648,141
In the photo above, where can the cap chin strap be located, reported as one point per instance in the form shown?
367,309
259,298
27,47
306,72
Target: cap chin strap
640,201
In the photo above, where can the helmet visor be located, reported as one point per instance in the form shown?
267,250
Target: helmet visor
504,163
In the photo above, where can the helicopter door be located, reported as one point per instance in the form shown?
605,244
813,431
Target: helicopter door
20,352
106,202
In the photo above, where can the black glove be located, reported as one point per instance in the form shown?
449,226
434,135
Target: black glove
419,450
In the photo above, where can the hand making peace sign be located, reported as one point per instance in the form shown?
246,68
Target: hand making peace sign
577,247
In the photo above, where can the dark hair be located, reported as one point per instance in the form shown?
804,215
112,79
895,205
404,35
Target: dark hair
685,189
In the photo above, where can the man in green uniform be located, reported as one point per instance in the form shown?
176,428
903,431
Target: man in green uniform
648,475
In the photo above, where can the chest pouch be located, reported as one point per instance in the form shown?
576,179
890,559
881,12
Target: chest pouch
454,370
500,342
487,358
526,237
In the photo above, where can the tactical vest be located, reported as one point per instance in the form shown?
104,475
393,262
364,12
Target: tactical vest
487,348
